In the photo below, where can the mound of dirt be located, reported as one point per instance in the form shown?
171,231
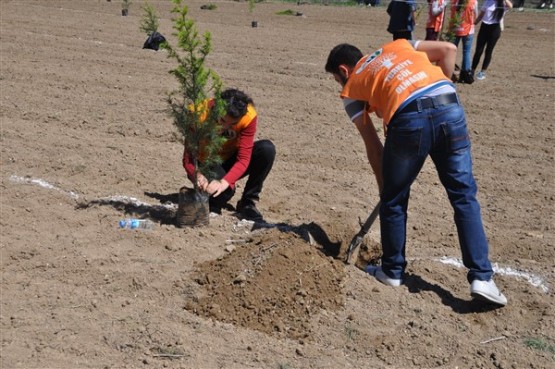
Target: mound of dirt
274,283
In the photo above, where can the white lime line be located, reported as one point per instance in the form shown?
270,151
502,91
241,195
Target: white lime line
533,279
42,183
103,200
130,201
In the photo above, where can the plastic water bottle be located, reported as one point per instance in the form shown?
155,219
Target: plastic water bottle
133,223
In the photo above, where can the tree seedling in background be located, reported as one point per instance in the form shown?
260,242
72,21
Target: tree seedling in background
196,121
125,4
150,22
149,25
454,22
251,4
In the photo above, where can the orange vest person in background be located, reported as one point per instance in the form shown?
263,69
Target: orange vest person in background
436,15
406,84
463,15
241,156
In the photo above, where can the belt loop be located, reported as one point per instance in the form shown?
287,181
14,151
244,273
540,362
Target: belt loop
419,105
436,104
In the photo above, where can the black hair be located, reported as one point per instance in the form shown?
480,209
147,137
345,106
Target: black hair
236,102
346,54
499,10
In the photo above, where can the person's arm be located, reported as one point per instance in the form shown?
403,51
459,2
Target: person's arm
437,9
189,166
441,53
373,144
244,153
479,18
508,4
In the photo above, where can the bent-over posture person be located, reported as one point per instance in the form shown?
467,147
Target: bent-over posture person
405,83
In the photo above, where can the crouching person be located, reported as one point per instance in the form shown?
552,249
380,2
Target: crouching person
241,156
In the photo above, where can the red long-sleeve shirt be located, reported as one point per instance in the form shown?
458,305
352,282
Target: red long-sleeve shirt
240,141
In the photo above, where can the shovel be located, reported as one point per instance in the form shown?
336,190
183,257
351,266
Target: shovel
365,227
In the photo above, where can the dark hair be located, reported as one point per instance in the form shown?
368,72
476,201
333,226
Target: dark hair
342,54
236,102
499,10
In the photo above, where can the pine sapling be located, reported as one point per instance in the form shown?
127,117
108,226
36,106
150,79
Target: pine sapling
150,22
251,4
196,121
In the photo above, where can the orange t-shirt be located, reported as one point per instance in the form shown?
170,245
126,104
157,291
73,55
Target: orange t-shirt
464,25
386,78
435,21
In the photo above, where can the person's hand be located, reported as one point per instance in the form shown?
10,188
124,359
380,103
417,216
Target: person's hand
202,182
216,187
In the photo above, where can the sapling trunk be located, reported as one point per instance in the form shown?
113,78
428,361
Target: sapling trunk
195,114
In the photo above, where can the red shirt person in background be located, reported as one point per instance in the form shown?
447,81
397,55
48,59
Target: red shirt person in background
241,156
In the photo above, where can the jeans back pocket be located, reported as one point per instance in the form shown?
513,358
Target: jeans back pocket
456,135
405,142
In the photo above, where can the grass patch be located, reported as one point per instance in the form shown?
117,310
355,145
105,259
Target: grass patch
286,12
539,344
208,6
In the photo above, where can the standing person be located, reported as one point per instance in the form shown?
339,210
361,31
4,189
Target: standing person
401,18
491,15
241,156
436,15
422,117
463,16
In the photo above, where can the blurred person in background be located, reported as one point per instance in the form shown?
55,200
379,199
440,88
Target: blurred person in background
401,18
491,15
461,27
436,16
545,4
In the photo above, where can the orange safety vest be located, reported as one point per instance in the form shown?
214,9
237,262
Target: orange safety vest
465,25
386,78
232,133
435,21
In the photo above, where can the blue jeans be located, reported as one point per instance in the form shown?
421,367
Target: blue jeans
467,50
442,134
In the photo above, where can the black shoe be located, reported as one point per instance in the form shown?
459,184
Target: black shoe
466,76
215,209
247,210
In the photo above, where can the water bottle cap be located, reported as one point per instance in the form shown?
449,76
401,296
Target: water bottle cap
122,223
135,224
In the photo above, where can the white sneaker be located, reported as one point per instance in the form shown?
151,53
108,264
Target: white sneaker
481,75
487,291
376,272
